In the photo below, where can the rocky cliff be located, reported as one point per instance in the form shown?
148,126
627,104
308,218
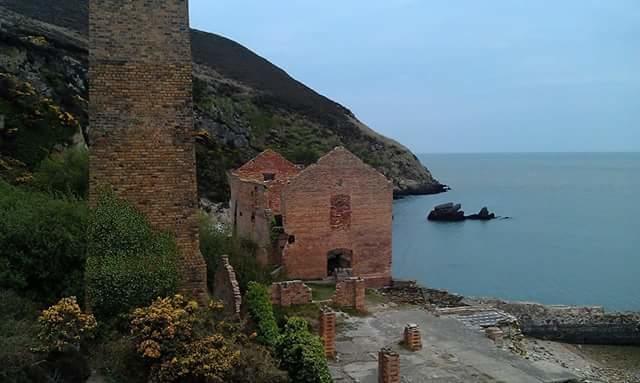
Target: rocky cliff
243,103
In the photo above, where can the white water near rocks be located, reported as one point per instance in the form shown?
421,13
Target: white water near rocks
574,236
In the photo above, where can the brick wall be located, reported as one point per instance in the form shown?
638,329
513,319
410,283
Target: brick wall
272,163
339,203
328,332
290,293
226,287
350,293
388,366
141,118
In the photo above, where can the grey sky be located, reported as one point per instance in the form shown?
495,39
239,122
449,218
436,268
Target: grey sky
458,76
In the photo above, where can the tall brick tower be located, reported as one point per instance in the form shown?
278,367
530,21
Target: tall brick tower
141,118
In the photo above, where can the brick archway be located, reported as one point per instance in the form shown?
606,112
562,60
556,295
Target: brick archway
339,259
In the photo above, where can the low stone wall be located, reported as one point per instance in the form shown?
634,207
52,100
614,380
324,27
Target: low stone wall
581,325
350,293
290,293
226,287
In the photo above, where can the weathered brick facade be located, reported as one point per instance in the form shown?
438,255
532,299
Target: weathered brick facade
256,190
273,171
141,118
338,213
350,293
290,293
226,287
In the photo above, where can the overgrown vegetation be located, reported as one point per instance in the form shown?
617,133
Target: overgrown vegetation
42,244
216,240
258,302
184,342
302,354
65,174
18,329
33,124
129,264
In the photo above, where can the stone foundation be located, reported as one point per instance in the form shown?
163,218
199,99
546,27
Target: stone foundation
290,293
350,293
580,325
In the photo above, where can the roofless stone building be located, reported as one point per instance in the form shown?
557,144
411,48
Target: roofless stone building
141,118
335,214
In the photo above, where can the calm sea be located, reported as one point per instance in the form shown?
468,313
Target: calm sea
574,236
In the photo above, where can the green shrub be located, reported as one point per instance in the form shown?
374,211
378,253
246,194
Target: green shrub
128,263
302,354
66,174
42,244
18,329
257,365
261,311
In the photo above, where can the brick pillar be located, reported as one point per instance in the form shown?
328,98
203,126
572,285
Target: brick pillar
412,338
141,118
328,332
388,366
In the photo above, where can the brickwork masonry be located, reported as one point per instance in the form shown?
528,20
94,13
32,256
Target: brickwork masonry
350,293
388,366
141,118
290,293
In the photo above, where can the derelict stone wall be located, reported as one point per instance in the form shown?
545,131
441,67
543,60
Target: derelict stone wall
248,205
339,203
350,293
290,293
226,287
141,118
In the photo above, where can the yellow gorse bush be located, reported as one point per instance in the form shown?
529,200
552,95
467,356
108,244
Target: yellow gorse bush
65,325
165,320
169,333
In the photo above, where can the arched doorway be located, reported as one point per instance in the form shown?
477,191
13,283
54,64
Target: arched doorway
338,259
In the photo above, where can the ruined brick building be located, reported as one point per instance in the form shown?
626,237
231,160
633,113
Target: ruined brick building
141,116
335,214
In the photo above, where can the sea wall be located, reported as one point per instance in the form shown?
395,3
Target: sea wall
580,325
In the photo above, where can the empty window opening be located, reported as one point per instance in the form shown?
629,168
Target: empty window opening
278,220
338,259
269,176
292,239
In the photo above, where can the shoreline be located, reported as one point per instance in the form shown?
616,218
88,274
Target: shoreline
580,325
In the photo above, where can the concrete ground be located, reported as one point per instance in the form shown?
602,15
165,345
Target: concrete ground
451,352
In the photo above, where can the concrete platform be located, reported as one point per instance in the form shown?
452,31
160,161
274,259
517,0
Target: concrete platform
452,352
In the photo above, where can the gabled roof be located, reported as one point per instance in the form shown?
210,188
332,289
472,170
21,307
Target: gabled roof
269,161
339,154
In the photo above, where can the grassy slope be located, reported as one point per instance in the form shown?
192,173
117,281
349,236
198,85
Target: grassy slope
244,104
